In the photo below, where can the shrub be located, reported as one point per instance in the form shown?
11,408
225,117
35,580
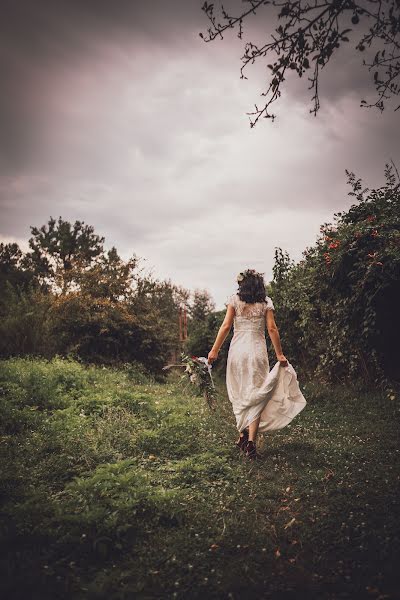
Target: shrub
337,308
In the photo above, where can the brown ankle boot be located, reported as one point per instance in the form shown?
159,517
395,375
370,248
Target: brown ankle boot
243,440
251,450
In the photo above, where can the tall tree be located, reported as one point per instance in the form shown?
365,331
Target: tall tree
201,325
202,305
109,277
60,249
309,33
12,267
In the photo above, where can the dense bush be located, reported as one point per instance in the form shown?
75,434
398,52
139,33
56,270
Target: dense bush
338,307
25,321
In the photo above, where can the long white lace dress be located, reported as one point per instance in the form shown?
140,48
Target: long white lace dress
252,387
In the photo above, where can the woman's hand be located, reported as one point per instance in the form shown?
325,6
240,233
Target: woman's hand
212,355
282,359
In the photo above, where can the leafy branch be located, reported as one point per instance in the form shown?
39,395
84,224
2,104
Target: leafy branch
309,33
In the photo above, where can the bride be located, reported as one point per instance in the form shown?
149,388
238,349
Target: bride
262,399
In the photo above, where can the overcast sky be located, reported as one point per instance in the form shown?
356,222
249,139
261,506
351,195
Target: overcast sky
118,114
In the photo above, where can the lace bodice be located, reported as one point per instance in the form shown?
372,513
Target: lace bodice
243,309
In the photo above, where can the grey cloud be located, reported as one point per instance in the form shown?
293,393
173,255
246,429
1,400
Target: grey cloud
120,116
39,40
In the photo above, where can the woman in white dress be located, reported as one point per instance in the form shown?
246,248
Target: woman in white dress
262,399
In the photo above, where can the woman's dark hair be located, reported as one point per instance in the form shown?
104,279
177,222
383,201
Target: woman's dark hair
252,288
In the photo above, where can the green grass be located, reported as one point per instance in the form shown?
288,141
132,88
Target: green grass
114,486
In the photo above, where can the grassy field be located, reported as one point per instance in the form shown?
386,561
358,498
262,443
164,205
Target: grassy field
115,486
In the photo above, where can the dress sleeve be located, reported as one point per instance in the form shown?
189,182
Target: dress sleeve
270,304
230,301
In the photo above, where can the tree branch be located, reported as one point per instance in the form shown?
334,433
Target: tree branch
313,30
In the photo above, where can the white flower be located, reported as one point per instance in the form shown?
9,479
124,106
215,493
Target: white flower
240,277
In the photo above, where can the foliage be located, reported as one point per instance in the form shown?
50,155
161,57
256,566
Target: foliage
337,307
12,267
103,512
200,333
109,277
308,36
203,327
101,331
201,306
60,249
25,320
157,303
69,296
115,489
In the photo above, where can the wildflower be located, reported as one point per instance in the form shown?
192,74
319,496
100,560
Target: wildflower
327,257
334,245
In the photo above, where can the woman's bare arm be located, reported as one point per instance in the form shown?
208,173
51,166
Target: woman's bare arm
222,333
273,333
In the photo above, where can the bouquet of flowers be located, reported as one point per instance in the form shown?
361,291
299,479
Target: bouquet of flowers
198,370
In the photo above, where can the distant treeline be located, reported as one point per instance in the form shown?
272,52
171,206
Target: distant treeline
336,309
68,296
